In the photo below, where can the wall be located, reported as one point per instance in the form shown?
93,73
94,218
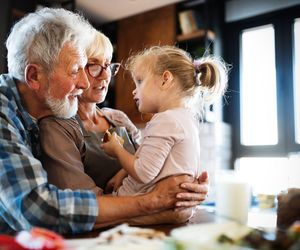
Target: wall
156,27
4,20
215,151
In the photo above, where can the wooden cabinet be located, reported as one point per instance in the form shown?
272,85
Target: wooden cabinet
156,27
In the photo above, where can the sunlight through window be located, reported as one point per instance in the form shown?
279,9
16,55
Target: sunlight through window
270,175
258,87
297,78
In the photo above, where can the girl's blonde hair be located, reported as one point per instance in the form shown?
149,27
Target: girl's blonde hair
100,46
205,78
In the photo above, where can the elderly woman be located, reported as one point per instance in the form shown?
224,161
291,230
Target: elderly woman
71,153
95,121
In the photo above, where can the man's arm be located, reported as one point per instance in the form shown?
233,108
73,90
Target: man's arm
169,216
192,193
162,198
185,205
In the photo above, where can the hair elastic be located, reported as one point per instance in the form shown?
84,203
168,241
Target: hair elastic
197,72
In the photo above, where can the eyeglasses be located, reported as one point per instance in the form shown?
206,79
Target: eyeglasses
96,70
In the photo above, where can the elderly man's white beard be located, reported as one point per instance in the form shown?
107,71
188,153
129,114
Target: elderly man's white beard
64,108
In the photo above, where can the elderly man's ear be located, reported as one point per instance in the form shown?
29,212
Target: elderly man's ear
33,74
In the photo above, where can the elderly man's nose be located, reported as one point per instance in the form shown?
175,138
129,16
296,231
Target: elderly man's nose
83,82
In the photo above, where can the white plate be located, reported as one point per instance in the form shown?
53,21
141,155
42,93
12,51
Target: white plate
93,244
204,236
122,237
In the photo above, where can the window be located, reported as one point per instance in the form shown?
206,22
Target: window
264,97
297,78
258,87
256,169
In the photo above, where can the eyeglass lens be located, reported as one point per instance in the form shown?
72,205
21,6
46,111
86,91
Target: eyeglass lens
96,70
114,68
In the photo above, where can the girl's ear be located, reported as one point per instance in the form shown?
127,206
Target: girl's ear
32,76
167,80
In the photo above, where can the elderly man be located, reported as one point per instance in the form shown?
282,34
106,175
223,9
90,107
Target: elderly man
46,63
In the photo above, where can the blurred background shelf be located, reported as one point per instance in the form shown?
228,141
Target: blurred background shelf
199,34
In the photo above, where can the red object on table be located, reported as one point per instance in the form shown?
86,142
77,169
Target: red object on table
9,243
36,239
56,239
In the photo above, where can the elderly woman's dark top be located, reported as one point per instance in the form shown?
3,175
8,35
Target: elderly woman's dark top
72,156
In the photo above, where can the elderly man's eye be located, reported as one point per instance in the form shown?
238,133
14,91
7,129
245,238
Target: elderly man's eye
75,70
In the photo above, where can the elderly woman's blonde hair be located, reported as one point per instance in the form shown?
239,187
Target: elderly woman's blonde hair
100,46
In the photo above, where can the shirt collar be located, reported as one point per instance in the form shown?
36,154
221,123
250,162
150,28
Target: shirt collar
13,94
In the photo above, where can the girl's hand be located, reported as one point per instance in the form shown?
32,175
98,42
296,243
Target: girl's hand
115,182
120,119
112,145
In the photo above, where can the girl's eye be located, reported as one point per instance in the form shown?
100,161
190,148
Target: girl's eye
138,81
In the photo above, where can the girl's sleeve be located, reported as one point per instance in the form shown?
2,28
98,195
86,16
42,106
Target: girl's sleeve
161,134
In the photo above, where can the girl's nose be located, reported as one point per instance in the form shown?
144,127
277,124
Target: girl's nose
134,92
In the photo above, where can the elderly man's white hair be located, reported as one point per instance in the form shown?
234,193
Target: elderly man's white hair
39,37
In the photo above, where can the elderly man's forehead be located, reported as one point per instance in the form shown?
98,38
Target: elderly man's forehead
70,50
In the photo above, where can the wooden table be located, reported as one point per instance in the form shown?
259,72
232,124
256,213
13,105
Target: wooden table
200,216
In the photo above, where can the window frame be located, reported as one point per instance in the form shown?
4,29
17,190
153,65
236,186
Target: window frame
283,27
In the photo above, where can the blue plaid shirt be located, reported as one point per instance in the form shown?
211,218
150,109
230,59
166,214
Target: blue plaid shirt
26,197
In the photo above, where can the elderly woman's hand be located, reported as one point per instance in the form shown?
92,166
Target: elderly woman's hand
196,191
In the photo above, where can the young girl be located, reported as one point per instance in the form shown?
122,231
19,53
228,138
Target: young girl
170,85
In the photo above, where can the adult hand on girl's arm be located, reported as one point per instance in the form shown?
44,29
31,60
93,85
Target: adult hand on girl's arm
196,192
